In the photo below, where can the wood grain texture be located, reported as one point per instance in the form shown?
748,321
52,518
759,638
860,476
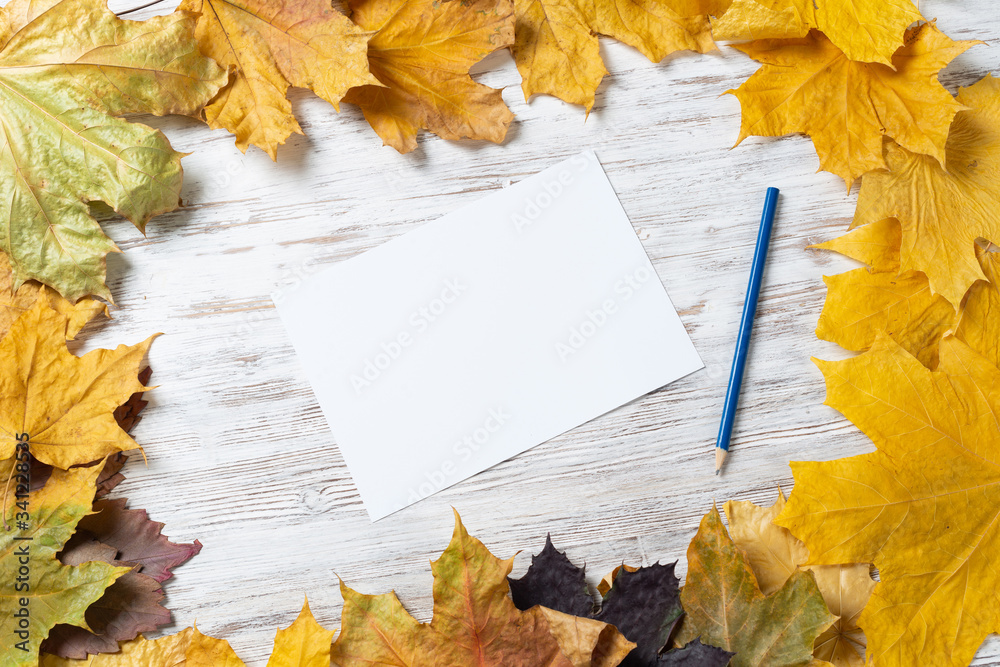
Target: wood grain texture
240,456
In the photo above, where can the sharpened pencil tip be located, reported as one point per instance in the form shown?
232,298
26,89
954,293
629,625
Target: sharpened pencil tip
720,457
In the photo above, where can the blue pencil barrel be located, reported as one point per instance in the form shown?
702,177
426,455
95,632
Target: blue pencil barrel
746,322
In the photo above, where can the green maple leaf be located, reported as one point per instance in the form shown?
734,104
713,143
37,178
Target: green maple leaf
66,70
36,590
726,608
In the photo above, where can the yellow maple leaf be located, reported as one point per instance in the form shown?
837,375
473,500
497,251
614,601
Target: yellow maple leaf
923,507
860,304
978,325
16,300
876,245
809,85
865,30
305,643
421,53
64,403
863,303
749,19
556,47
774,555
270,46
942,213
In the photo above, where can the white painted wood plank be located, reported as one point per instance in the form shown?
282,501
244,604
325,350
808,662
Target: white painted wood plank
240,456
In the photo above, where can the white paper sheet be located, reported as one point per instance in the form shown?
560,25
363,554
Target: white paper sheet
478,336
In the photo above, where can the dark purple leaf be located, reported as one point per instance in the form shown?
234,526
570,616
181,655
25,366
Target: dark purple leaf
553,581
643,604
136,537
129,606
695,654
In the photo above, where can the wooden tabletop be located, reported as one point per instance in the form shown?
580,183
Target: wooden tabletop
240,456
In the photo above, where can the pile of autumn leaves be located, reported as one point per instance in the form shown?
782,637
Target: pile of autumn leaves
549,618
79,572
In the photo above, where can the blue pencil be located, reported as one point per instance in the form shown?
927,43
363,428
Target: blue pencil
746,326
